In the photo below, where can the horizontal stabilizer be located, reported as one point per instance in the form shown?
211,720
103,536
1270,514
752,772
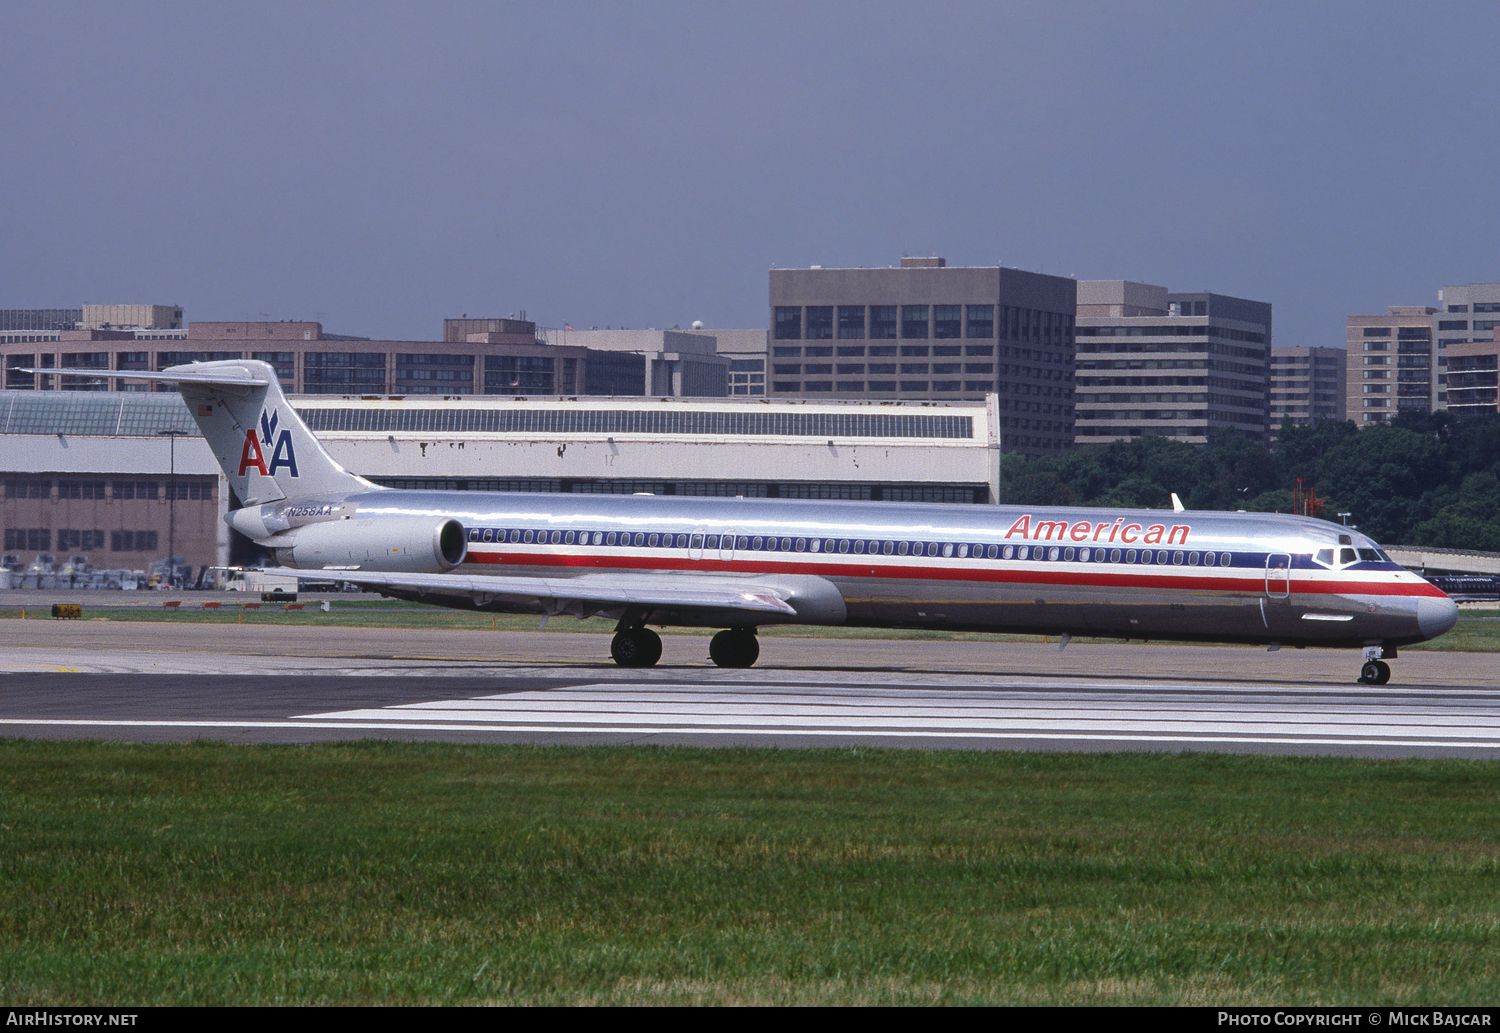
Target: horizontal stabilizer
234,376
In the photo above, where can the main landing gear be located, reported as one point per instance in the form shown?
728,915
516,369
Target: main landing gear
636,645
1375,670
736,647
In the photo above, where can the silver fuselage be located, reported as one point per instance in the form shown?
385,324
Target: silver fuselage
1147,574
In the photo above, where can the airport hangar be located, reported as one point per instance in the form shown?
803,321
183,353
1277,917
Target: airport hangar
124,476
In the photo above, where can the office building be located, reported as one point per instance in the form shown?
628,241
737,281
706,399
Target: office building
926,331
1467,314
39,319
747,352
488,357
1391,365
1467,323
1405,361
1181,366
1307,384
673,363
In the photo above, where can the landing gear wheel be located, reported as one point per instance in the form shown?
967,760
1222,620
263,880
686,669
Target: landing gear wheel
734,648
640,647
1375,672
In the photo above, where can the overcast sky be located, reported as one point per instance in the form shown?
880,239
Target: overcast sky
380,166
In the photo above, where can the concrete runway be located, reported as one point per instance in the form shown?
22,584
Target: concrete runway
286,684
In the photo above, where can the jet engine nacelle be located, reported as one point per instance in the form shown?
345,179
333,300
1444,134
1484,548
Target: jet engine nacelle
398,545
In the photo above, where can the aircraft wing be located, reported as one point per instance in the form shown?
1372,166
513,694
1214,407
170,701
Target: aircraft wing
714,598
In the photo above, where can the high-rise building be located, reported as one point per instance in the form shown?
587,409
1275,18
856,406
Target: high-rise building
1307,384
1466,325
1467,313
1474,376
1390,365
1416,358
927,331
1177,365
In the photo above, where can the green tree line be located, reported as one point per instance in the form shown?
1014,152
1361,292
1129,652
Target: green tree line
1428,479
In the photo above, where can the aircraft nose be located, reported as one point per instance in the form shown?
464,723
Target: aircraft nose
1436,616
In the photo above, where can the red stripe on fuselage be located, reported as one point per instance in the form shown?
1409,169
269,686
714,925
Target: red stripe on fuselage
1251,580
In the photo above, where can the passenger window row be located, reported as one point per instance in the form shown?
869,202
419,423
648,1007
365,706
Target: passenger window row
850,546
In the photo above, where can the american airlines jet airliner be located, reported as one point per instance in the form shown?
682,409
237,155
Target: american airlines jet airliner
738,564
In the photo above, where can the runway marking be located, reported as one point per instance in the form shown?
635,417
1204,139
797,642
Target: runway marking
788,710
790,707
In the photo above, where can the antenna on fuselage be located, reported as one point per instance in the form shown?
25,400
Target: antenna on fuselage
1177,506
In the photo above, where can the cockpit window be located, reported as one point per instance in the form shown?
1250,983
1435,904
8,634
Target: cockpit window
1344,556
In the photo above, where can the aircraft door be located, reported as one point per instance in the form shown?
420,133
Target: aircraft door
695,545
726,545
1278,575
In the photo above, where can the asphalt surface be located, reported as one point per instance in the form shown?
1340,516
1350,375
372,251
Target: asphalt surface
153,682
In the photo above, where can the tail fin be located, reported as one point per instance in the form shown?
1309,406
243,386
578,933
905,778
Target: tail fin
265,449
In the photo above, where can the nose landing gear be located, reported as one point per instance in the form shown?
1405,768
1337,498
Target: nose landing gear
1375,670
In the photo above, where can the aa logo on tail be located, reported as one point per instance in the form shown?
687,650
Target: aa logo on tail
283,454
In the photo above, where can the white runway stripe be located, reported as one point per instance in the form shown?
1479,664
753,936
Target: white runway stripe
820,710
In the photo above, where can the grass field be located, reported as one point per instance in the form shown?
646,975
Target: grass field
381,873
